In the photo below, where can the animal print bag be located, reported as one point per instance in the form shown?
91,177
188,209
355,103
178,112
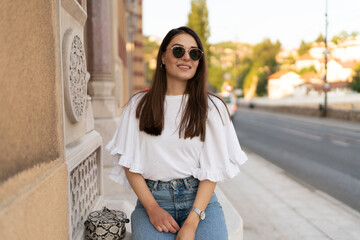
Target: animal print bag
105,224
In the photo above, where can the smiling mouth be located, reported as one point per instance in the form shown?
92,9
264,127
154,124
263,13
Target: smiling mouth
184,67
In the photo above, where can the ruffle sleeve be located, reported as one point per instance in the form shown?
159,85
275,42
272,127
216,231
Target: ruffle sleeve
221,154
124,146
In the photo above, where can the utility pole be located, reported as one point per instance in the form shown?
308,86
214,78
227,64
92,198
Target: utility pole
326,87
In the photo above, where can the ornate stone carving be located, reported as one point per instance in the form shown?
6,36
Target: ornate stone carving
84,189
76,76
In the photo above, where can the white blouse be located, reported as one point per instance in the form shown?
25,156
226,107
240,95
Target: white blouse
167,156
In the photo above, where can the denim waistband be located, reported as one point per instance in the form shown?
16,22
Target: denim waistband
189,182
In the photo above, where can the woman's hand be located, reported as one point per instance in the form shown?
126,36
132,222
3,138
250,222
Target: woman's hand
187,232
162,220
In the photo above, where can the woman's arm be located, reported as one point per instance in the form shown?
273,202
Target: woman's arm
205,190
159,217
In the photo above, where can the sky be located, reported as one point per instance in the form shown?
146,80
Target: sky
251,21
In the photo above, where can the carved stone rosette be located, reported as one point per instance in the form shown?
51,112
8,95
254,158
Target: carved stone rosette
76,76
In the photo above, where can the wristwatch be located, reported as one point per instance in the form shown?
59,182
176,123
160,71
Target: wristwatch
199,212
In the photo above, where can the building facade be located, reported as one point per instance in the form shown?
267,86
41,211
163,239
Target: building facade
67,67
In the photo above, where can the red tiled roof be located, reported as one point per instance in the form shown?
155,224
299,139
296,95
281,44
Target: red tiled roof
306,56
347,64
308,76
318,44
278,74
322,60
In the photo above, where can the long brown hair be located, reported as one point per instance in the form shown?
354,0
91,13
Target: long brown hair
150,110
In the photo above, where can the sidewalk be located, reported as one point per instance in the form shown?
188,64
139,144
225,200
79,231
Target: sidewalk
273,205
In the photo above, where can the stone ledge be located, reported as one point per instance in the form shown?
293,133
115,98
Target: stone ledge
233,219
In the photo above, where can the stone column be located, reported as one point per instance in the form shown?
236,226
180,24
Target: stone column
100,65
99,58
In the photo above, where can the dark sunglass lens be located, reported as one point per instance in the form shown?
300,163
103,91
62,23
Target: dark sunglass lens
195,54
178,52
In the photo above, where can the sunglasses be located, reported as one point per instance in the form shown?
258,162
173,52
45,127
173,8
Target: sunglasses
194,53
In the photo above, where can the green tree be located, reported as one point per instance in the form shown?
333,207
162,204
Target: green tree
304,47
261,87
216,76
198,20
262,65
265,60
242,71
320,38
238,69
355,84
354,34
264,54
336,39
307,70
150,52
343,35
249,80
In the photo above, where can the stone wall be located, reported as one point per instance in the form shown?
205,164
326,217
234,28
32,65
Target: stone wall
33,175
30,114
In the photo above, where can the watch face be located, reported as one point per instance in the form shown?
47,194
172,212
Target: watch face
202,215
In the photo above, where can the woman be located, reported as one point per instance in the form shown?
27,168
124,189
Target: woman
173,143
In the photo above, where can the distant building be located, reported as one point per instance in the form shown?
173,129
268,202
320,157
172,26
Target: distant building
338,71
307,61
282,84
318,48
341,60
285,54
312,84
348,49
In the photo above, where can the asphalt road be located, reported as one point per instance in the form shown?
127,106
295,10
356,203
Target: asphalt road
322,153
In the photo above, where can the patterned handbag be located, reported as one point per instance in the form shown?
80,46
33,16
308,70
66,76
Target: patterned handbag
106,224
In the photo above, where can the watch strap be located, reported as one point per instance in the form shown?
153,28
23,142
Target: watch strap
199,212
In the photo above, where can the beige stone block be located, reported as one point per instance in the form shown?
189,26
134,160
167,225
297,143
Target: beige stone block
36,204
104,107
30,119
107,127
100,88
90,122
74,131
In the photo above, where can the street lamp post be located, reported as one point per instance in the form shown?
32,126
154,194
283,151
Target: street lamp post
326,52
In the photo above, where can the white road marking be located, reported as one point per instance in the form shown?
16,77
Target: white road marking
340,143
302,134
291,131
344,139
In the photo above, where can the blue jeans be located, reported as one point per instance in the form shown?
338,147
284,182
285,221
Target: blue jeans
177,197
